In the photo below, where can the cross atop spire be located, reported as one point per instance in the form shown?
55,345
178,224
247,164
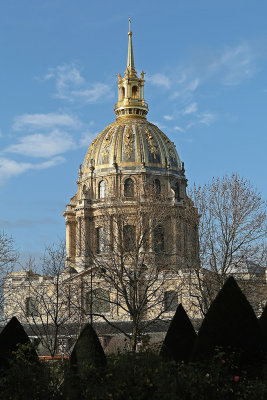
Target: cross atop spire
130,59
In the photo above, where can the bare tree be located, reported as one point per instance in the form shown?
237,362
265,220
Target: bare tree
132,271
232,230
42,300
8,258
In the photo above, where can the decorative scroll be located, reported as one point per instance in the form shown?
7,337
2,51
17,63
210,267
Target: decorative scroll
128,141
152,144
106,143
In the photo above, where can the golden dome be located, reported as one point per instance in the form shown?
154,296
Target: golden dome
131,143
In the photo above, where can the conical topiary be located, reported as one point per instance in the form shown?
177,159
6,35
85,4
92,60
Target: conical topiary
230,323
11,337
263,323
87,350
180,338
87,355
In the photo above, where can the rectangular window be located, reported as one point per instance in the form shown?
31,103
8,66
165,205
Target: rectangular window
158,239
31,307
170,300
129,237
98,301
101,240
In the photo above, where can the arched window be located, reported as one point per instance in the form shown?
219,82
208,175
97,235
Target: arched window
129,237
102,189
158,236
134,92
156,185
122,93
101,242
128,188
98,301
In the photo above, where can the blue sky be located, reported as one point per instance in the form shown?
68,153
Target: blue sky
206,86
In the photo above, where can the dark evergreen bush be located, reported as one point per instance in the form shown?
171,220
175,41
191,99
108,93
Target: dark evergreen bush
180,338
87,350
263,323
11,337
87,358
231,325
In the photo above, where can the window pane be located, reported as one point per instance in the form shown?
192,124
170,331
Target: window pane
129,237
129,188
101,240
158,239
102,189
170,300
31,306
100,300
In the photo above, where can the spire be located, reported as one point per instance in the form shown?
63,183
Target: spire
130,58
131,102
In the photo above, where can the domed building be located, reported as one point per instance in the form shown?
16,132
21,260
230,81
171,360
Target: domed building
131,238
127,158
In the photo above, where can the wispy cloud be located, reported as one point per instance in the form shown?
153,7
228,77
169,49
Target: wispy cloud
206,118
45,121
72,86
178,128
190,109
11,168
43,145
168,117
159,79
188,84
234,64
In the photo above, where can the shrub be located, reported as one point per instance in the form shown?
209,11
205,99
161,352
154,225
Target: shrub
87,359
230,323
180,338
263,323
11,337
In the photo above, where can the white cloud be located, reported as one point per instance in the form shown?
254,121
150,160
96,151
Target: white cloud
190,109
43,145
72,86
193,85
234,65
178,128
96,91
168,117
44,121
207,118
159,80
10,168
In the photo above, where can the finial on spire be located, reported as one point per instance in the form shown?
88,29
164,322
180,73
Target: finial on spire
130,58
